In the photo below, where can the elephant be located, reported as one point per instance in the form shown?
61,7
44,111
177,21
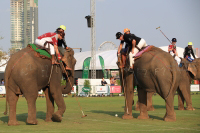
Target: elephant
27,74
155,72
189,71
184,86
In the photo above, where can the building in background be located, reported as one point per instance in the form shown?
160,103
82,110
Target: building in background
24,22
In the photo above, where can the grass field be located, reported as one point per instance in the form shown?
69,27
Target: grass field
101,117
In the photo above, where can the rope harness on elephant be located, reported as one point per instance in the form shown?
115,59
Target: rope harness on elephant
50,74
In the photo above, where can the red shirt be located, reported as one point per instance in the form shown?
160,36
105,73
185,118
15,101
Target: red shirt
173,47
51,36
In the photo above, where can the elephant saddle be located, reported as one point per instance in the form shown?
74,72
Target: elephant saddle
145,49
39,51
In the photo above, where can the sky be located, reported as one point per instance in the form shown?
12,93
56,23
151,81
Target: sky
178,19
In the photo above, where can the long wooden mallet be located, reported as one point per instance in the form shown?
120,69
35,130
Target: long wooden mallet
122,72
83,115
163,34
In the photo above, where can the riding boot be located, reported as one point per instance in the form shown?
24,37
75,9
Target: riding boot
123,60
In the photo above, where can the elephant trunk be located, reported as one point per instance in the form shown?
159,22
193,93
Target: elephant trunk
69,85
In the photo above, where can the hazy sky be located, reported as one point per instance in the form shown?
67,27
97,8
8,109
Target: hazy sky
177,18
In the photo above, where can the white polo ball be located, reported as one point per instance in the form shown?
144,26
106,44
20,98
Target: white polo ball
116,115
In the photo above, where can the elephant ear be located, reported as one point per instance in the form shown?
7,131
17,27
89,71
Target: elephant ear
192,69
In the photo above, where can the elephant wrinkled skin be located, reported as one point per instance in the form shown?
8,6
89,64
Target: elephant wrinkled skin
27,74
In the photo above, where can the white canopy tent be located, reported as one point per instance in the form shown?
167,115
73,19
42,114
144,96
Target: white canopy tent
110,58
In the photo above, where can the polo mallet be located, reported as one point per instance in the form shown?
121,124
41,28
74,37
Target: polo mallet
163,34
72,87
123,83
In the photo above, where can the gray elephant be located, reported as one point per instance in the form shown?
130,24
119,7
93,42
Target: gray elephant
155,72
27,74
188,70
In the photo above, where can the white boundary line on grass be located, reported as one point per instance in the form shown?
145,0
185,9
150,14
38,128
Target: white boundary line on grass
171,128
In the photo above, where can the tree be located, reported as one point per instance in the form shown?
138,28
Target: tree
3,55
11,51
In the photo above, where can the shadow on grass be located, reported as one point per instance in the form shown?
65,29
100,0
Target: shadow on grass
23,117
155,106
120,114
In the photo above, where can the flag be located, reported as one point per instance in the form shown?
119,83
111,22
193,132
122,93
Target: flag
86,65
103,67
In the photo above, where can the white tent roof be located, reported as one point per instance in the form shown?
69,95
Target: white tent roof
110,58
180,51
2,68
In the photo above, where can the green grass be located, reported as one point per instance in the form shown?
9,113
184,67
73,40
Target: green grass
101,117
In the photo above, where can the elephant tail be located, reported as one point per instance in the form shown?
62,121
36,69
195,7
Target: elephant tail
173,71
6,86
6,111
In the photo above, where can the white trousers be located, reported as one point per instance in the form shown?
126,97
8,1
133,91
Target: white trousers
42,41
178,60
141,44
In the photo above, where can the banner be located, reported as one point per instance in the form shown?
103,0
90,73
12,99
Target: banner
73,89
2,90
102,89
103,67
194,87
115,89
86,65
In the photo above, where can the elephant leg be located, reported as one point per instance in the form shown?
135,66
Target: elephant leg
57,96
12,101
49,104
150,101
142,94
180,100
137,107
31,101
170,114
129,90
185,91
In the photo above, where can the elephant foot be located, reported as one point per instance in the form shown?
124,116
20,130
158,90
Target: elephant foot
150,108
181,108
190,108
31,122
56,117
13,123
126,116
48,120
143,117
170,118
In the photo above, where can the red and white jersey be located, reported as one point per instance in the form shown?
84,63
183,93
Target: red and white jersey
172,47
50,37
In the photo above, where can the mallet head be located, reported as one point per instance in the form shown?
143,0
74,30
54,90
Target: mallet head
83,116
158,28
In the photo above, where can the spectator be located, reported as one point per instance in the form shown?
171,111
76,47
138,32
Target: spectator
103,82
2,81
112,81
